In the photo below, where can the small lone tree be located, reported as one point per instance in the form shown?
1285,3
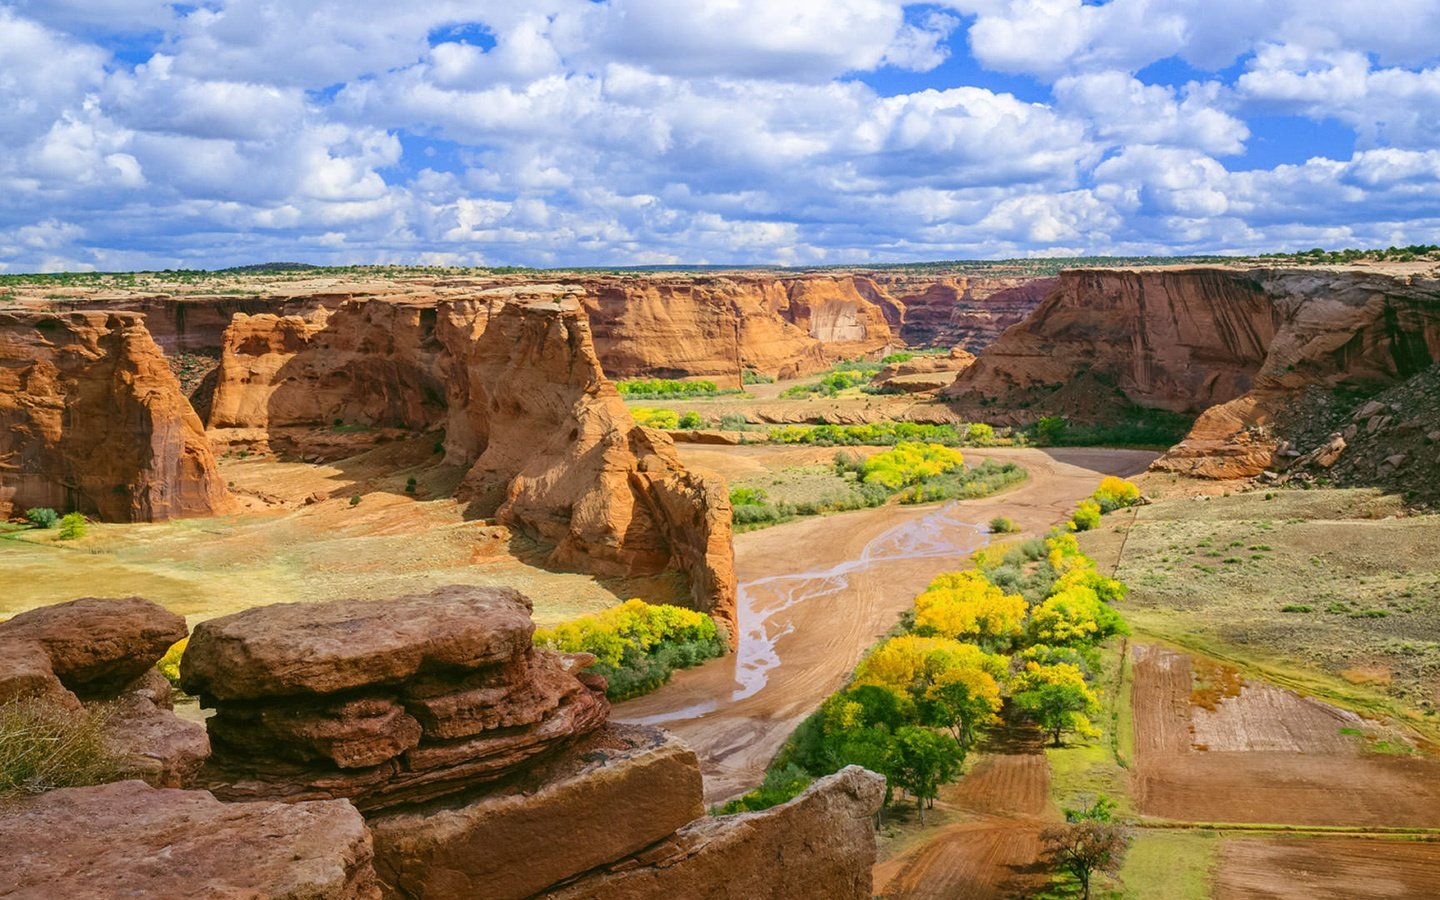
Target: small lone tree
42,517
1085,847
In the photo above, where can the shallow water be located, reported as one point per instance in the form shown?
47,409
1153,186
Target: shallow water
937,534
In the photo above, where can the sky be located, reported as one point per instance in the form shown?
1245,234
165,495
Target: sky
145,134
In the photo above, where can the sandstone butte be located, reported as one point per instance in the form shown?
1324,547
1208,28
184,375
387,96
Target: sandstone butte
405,748
1235,345
92,419
511,376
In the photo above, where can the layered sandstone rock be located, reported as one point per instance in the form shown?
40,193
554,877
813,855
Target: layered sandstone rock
969,311
551,449
1231,343
512,377
92,419
100,652
383,702
614,794
131,840
924,373
820,845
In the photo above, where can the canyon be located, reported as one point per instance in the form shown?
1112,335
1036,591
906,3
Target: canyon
1235,345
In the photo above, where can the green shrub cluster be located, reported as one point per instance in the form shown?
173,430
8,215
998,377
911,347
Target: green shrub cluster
637,645
42,517
665,388
966,484
750,376
1137,428
752,508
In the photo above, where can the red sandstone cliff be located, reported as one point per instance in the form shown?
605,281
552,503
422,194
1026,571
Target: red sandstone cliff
92,419
511,375
1232,344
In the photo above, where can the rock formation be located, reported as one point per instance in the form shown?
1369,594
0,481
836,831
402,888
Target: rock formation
92,419
1234,344
103,652
969,311
809,847
131,840
382,702
512,378
480,766
924,373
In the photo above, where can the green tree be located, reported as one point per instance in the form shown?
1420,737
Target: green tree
1057,699
923,761
1085,847
72,526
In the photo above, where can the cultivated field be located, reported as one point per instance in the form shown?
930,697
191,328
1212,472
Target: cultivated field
1333,592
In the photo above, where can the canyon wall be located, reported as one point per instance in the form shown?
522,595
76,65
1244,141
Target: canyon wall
511,375
718,327
1233,344
92,419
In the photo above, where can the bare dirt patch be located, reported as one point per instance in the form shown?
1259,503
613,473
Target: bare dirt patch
1327,869
1265,755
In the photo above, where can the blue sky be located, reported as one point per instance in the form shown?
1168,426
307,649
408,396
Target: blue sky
142,133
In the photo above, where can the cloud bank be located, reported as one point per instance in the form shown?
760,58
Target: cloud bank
572,132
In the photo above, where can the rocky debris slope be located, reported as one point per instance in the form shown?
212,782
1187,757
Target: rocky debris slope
131,840
383,702
511,376
1390,439
1236,345
101,652
810,847
92,419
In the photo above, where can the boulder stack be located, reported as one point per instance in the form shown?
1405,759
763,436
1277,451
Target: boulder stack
384,702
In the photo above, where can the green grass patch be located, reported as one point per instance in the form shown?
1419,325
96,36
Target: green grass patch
1173,865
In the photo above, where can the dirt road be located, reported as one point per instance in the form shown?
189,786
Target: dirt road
814,594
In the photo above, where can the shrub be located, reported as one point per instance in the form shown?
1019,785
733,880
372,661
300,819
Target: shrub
1003,525
780,785
740,496
42,517
655,418
169,664
636,644
750,376
45,746
1087,516
410,485
663,388
354,500
691,420
1115,493
72,526
910,463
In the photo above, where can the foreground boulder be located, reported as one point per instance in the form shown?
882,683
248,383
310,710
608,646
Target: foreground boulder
98,646
92,419
96,652
383,702
820,845
617,792
131,840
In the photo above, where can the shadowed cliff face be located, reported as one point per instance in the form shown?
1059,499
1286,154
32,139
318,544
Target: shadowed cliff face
92,419
511,376
1232,344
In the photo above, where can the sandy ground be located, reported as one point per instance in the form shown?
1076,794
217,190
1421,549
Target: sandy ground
817,592
1265,755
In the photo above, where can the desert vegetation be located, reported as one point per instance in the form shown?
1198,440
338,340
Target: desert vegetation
910,472
44,745
637,645
1016,636
667,389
